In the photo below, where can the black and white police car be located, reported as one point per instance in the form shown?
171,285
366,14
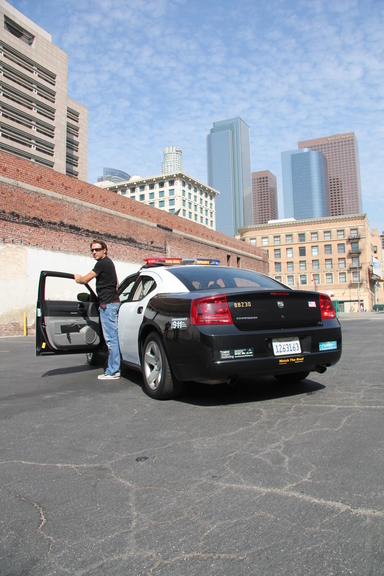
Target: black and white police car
183,320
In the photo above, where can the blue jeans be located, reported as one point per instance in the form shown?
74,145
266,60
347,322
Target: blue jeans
108,318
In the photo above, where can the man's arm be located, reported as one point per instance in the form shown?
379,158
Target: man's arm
85,279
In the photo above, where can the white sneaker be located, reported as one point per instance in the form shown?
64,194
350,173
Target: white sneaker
115,376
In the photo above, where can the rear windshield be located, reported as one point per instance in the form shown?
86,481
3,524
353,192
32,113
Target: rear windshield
214,277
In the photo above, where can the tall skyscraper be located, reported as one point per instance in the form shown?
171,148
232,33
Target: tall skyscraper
113,175
305,184
173,161
229,171
342,154
38,120
264,197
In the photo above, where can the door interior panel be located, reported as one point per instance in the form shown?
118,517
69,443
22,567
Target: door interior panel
72,324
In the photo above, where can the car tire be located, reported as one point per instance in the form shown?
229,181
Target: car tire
159,382
96,358
292,378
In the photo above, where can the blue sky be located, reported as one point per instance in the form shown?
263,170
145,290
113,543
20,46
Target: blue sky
156,73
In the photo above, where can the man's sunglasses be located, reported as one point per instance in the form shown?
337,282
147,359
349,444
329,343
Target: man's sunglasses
96,249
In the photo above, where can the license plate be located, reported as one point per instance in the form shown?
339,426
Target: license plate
286,346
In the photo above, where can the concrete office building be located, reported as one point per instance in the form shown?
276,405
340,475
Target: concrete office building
38,122
342,154
264,197
305,184
173,160
337,255
175,193
229,171
113,175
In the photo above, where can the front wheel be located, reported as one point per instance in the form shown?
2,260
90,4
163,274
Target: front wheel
158,380
292,378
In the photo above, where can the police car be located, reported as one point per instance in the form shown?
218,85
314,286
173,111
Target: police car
194,320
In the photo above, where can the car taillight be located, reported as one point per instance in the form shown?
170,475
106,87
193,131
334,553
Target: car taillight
211,310
326,307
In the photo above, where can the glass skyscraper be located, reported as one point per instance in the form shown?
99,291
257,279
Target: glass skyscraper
229,172
305,184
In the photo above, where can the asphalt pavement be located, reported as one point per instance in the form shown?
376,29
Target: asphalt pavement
255,479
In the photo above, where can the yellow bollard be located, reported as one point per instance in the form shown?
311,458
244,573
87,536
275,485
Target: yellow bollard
25,323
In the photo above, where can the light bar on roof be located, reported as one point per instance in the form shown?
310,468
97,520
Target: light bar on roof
185,261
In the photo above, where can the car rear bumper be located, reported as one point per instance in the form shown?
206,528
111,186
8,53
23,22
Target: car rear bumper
206,355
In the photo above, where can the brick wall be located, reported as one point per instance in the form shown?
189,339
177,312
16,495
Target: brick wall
44,209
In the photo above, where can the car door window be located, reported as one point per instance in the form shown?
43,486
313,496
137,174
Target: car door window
143,288
125,288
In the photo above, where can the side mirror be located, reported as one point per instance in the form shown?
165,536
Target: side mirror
83,297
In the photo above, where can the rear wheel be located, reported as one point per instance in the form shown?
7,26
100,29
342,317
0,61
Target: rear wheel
158,380
292,378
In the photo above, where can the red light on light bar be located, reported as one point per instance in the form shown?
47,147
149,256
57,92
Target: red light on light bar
151,261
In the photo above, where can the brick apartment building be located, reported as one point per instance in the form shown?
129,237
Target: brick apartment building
336,255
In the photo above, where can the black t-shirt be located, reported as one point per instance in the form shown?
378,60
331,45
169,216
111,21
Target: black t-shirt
106,280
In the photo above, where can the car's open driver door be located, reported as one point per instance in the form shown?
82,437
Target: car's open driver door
67,317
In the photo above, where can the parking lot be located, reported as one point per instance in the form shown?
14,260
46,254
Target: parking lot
258,479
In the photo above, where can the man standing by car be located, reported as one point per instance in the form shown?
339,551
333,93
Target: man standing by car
106,288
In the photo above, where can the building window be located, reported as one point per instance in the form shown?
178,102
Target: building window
161,194
183,183
329,278
315,250
171,210
328,263
342,277
151,195
171,202
302,251
151,186
189,187
289,252
184,213
141,188
340,234
132,189
316,279
195,217
171,192
291,280
303,265
142,197
302,237
288,238
354,247
277,266
354,233
303,279
151,203
327,235
253,241
277,253
132,197
161,203
123,191
201,220
190,215
161,184
341,248
315,264
342,263
314,236
355,262
356,277
171,182
290,266
276,239
183,193
328,248
264,241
